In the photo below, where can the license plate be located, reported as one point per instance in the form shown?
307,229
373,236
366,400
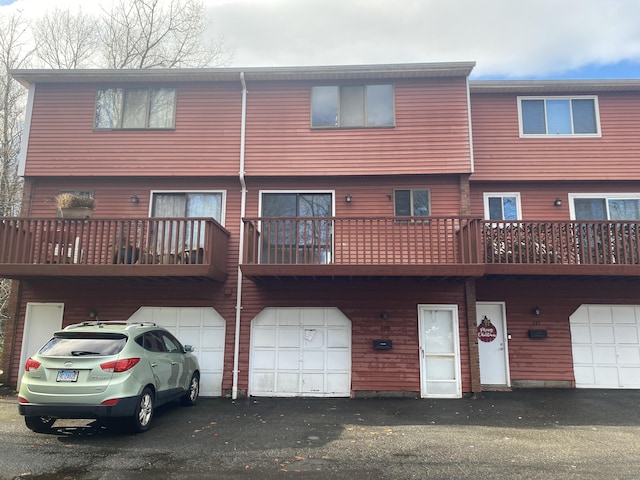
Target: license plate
67,376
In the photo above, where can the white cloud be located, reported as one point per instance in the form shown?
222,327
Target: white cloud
505,37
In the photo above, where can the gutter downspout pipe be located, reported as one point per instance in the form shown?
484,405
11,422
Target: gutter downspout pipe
243,207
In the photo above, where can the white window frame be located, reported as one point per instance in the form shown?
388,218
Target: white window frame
604,196
596,109
487,195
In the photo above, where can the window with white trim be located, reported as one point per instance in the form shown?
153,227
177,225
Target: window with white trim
613,206
352,106
559,116
412,203
502,206
137,108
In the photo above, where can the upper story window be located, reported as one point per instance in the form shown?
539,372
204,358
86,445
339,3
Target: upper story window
502,206
351,106
613,206
412,203
559,116
118,108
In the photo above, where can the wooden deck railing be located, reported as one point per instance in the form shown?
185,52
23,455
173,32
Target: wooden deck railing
149,241
361,241
564,243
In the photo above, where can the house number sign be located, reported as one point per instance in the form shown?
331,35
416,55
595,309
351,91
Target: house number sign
487,331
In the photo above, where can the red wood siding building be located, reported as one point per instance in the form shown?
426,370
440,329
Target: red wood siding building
339,261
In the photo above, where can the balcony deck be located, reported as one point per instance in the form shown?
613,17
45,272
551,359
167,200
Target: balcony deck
151,248
330,247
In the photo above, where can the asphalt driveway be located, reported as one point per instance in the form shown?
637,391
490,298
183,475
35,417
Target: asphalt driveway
528,434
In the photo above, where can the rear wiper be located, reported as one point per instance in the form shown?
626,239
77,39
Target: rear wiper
79,353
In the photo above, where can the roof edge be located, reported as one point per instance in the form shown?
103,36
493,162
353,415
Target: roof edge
553,86
333,72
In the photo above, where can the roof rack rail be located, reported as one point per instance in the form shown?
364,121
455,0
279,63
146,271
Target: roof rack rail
97,323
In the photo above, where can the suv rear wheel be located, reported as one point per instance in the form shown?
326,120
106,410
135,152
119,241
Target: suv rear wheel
144,411
39,424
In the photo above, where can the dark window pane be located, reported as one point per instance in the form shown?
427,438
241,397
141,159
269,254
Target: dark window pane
495,208
324,106
380,105
135,108
420,202
584,116
624,209
558,117
510,208
590,209
352,106
108,108
403,203
533,117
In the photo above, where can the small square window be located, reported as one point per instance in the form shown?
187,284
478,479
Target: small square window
412,203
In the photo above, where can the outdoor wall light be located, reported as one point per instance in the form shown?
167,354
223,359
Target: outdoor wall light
384,315
558,202
536,310
134,198
348,198
93,314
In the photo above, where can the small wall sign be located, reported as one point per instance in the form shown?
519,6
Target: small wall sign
487,332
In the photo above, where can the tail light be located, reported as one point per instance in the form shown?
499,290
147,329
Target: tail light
31,365
118,366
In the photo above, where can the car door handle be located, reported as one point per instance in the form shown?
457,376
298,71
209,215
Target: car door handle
174,363
154,365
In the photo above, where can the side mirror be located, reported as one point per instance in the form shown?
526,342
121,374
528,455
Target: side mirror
188,348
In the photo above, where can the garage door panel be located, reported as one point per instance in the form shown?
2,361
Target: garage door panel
304,362
288,337
601,314
602,334
338,338
606,350
287,382
338,360
629,355
582,354
288,359
264,381
630,376
626,334
313,360
264,359
606,355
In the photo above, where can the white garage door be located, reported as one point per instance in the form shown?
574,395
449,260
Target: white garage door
201,327
300,352
606,346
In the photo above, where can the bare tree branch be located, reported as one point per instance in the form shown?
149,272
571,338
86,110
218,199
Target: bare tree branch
66,40
159,34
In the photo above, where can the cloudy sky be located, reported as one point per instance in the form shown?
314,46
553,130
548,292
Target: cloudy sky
506,38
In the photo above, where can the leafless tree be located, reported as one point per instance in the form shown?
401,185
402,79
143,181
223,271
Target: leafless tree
66,40
13,54
159,34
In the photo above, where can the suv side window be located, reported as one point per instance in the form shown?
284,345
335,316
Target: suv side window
151,341
171,343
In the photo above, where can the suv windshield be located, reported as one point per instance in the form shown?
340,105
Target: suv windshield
84,343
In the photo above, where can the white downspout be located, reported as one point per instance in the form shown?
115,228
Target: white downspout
243,207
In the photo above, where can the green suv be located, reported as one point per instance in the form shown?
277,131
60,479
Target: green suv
107,370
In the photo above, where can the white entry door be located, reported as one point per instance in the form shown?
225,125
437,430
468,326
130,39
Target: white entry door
201,327
605,341
40,321
492,344
300,352
439,351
